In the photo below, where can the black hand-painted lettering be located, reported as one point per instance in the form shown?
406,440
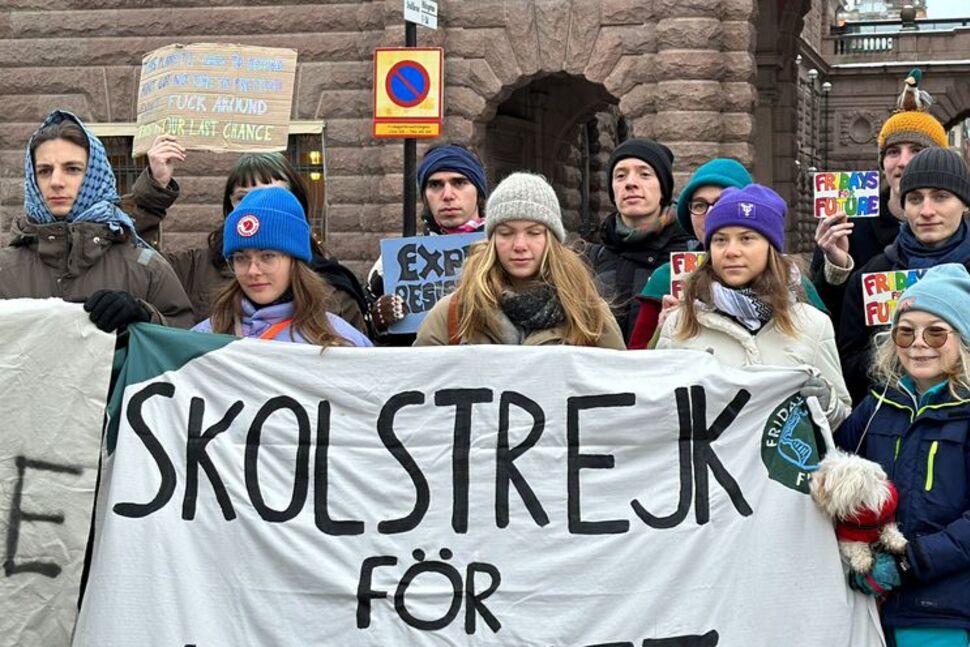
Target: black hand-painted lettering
418,568
505,470
422,493
406,258
462,400
365,590
577,461
165,467
19,516
474,601
705,458
321,481
196,456
432,262
301,474
453,259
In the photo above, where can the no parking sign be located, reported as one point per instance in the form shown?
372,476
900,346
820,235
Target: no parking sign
407,92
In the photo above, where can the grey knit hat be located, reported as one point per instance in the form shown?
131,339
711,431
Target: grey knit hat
936,168
524,196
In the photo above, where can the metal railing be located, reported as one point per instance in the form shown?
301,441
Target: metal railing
878,36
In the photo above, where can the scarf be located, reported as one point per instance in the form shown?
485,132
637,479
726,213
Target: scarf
639,234
469,227
97,200
741,304
914,255
535,309
256,320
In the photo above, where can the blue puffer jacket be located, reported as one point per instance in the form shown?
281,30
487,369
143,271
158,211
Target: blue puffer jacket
922,443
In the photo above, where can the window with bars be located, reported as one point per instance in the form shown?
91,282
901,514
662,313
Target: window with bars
304,151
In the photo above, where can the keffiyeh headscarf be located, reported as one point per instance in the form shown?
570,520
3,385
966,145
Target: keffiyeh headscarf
97,200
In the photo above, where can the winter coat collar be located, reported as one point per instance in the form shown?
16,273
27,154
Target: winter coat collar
651,246
70,248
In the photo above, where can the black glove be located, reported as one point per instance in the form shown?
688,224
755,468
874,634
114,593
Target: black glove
113,310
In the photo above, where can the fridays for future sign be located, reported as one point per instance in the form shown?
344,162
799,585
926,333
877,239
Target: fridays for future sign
216,97
854,194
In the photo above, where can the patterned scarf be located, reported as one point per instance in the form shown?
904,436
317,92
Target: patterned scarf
98,199
536,309
741,304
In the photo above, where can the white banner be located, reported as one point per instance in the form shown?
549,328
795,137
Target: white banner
54,371
267,494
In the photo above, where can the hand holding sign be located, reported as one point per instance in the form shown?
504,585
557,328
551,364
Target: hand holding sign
162,155
832,235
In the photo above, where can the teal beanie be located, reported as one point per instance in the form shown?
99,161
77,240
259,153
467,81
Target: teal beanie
723,172
943,291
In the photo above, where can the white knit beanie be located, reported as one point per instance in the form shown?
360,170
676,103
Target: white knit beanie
524,196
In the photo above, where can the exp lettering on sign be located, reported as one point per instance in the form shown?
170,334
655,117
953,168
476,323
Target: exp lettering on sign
423,270
216,97
853,193
881,290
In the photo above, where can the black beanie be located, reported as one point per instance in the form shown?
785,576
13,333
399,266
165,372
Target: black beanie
656,155
936,168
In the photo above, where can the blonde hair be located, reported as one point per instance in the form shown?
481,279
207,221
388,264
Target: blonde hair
773,286
887,369
311,295
483,280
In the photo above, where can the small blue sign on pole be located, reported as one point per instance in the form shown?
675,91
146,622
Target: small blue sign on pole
422,270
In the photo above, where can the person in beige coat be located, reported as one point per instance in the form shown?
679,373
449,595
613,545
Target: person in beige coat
745,303
74,242
523,286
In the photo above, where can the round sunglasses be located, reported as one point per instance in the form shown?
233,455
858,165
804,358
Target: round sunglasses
933,336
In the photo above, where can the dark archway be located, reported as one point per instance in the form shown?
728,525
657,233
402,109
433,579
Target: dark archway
564,127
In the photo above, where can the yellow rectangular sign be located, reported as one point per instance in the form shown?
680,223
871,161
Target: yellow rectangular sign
408,92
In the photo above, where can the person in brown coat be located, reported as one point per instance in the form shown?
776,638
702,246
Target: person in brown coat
74,242
523,286
203,270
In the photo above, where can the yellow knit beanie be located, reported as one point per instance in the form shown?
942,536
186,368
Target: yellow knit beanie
912,126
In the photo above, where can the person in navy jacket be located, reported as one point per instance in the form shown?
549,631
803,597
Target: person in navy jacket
915,424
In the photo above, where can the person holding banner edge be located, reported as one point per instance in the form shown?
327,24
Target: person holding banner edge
274,294
935,195
76,243
523,286
915,425
453,189
202,270
746,305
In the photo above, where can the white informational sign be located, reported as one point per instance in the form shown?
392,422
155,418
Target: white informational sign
54,379
265,493
421,12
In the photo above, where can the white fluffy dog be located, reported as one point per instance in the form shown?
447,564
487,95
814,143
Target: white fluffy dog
856,494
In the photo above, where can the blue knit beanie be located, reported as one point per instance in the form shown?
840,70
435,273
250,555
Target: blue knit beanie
723,172
456,160
943,291
269,218
755,207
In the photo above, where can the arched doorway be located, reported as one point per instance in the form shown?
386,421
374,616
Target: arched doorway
564,127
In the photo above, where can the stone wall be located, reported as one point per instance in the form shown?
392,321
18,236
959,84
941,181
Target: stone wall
681,71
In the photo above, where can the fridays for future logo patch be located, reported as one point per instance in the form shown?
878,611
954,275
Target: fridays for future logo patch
789,445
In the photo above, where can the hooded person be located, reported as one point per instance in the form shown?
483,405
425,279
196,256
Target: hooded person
638,237
522,285
274,293
74,242
934,193
844,244
453,188
746,305
915,423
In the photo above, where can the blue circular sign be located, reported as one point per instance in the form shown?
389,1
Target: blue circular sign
407,84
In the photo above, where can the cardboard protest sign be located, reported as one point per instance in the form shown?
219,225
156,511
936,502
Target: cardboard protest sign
881,291
853,193
422,270
216,97
681,266
54,381
272,494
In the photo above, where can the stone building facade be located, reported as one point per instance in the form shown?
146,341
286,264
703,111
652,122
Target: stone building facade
547,85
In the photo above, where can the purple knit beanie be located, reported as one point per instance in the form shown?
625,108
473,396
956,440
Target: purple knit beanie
756,207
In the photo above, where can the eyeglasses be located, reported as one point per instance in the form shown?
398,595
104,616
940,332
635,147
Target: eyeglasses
700,207
933,336
265,261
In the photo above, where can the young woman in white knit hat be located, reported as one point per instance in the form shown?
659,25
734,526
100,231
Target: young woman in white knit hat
523,286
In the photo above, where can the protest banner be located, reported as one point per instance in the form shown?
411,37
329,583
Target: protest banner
216,97
853,193
881,290
261,493
682,264
54,381
422,270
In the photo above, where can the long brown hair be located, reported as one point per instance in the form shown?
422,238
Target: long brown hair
773,286
311,294
483,280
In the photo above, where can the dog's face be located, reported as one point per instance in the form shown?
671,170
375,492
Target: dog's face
846,484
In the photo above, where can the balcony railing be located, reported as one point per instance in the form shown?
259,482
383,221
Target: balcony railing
878,36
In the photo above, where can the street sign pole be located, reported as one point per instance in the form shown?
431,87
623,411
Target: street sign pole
410,154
